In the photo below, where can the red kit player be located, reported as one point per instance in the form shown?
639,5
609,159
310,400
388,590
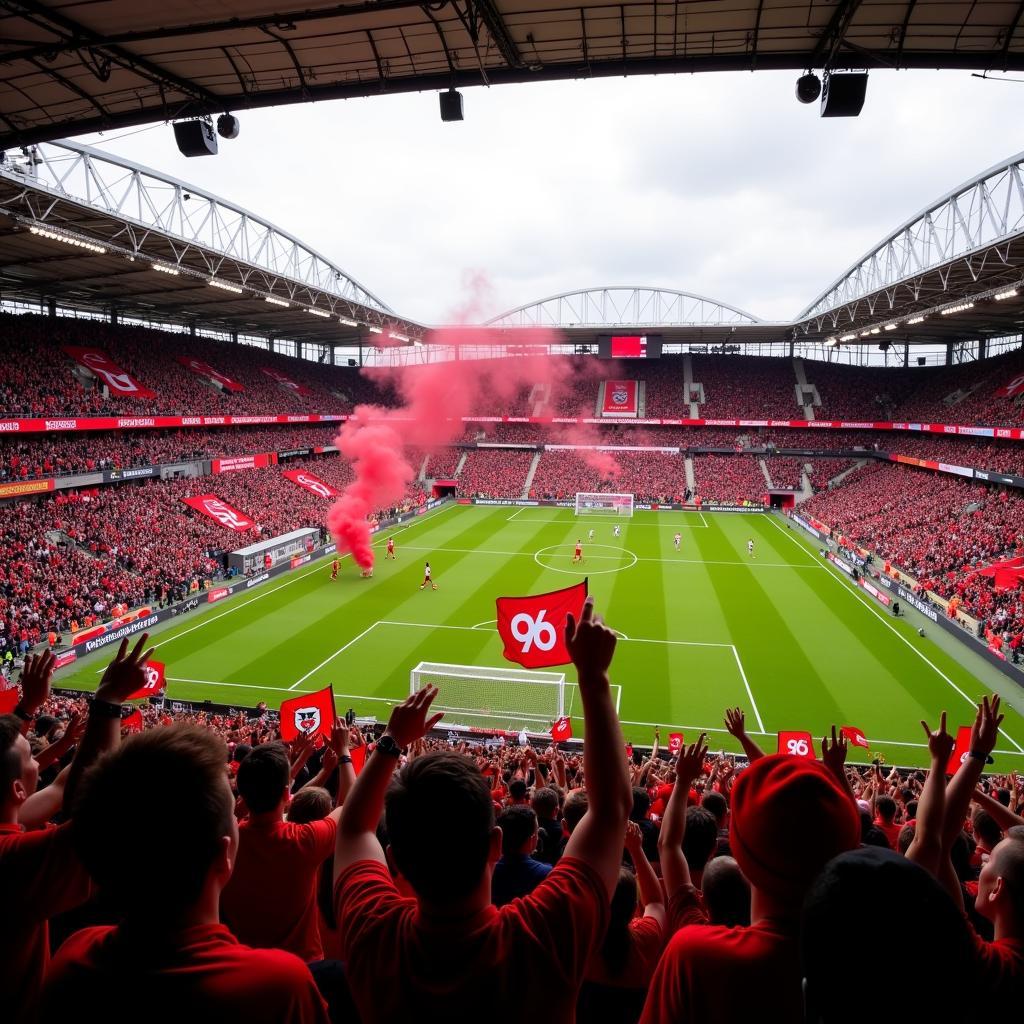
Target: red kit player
391,548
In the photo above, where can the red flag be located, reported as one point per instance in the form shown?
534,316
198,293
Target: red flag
358,755
133,723
9,699
629,751
960,751
155,682
309,713
533,628
675,742
797,744
210,505
562,729
855,736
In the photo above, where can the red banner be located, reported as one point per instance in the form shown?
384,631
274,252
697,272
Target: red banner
237,462
310,482
961,751
533,628
133,722
286,381
197,366
855,736
562,729
9,698
210,505
1013,387
796,744
675,743
309,713
15,490
65,423
102,366
155,683
621,398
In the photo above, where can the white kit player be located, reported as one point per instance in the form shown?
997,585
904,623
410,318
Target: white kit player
750,548
617,531
677,539
428,577
590,536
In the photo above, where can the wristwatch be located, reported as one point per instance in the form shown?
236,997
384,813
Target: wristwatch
104,708
387,745
25,716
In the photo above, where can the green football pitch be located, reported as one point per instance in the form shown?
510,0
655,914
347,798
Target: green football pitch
782,634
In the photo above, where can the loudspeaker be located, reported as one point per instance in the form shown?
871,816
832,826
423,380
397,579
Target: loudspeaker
843,94
195,138
352,362
451,105
921,360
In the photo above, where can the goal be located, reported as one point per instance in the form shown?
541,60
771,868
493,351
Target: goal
604,504
506,699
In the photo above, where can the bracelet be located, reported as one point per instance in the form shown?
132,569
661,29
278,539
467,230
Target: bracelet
978,755
104,708
344,759
24,715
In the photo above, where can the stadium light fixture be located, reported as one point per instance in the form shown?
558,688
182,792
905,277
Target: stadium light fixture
831,341
397,336
1005,295
958,308
317,312
59,236
348,323
166,268
275,301
226,286
916,320
376,330
876,330
865,334
848,337
890,327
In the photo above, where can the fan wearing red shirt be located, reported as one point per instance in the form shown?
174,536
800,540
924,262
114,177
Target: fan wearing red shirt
790,816
270,900
162,802
431,957
40,875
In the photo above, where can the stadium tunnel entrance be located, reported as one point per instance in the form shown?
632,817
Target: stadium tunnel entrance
444,488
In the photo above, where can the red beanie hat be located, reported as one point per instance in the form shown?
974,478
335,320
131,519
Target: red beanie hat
790,817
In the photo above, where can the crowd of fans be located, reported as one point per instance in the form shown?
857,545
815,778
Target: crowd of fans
495,473
786,472
728,478
595,885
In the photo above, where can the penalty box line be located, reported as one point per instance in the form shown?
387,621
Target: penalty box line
627,523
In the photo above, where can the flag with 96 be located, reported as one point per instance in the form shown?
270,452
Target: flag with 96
796,744
533,628
155,683
675,743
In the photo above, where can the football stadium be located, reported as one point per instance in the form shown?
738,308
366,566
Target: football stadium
653,656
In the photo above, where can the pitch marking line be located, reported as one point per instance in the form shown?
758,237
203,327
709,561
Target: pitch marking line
625,525
293,579
888,625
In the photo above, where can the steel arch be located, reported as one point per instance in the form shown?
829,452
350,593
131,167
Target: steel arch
148,201
624,306
979,215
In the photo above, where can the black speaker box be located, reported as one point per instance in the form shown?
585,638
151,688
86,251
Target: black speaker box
195,138
451,105
843,94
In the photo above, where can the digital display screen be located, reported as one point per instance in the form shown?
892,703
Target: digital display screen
629,346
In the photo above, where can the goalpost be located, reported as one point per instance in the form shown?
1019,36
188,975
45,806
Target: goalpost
600,504
506,699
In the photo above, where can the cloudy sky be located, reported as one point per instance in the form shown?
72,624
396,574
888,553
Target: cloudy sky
719,184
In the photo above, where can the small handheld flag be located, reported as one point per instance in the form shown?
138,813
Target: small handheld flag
309,713
533,628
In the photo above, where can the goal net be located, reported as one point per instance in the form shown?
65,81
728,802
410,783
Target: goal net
604,504
507,699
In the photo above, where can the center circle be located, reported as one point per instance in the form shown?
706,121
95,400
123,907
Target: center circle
574,570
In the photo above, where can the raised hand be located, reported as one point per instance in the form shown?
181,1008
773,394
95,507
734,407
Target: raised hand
590,643
940,743
341,737
126,673
330,760
35,681
690,765
985,730
634,841
833,755
409,721
736,723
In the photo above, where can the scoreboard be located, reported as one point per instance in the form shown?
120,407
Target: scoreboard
629,346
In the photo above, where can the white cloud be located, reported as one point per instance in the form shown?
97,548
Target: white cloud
718,184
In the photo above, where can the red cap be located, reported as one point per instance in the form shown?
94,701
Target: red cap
790,817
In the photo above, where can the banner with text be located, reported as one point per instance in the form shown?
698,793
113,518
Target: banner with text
1012,388
310,482
197,366
237,462
100,365
621,398
285,381
210,505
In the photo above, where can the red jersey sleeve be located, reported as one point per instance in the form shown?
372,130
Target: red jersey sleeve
686,907
315,839
364,897
999,973
649,939
567,913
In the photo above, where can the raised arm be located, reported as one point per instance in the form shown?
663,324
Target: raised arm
360,815
35,687
674,869
736,725
1003,816
125,675
926,847
651,895
833,757
597,839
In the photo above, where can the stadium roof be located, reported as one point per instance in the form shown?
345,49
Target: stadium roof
70,69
